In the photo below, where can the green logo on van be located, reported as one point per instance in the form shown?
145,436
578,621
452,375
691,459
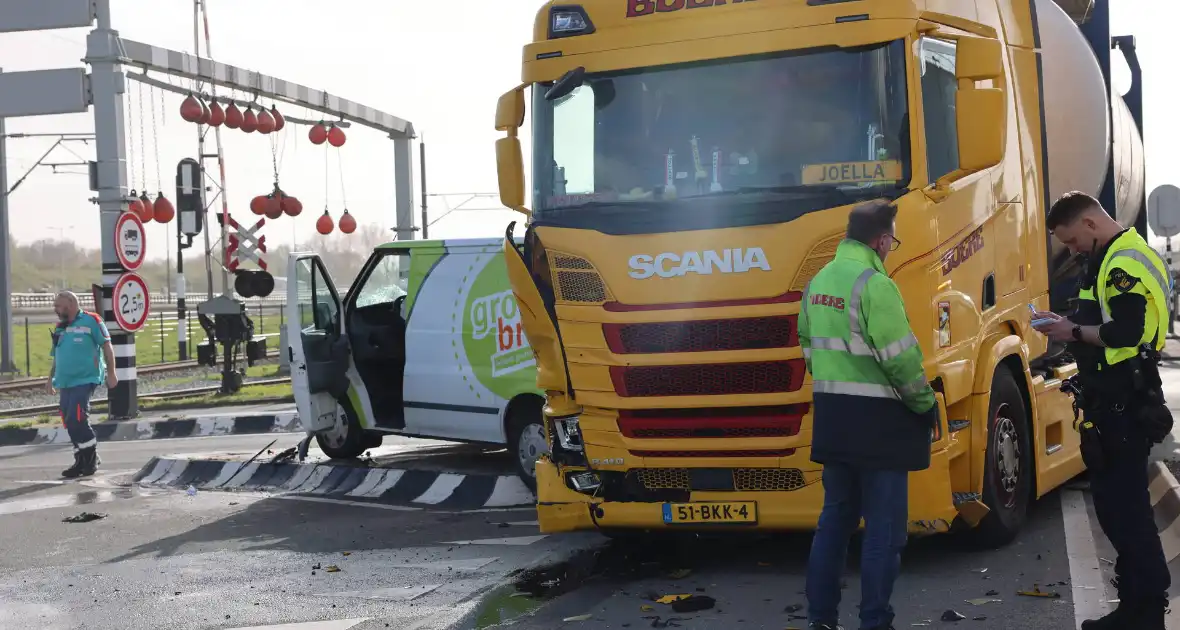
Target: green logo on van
493,337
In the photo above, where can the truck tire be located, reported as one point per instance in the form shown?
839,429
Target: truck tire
345,440
526,438
1008,469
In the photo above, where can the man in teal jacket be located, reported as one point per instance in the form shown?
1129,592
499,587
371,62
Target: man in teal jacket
874,411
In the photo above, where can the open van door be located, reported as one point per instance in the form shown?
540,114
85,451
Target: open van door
321,361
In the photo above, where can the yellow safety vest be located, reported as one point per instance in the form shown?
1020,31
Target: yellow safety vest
1131,253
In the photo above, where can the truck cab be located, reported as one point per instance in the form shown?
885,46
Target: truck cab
426,342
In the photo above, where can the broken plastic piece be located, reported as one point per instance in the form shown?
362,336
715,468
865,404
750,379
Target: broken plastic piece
952,615
585,617
332,569
979,601
84,517
668,599
679,573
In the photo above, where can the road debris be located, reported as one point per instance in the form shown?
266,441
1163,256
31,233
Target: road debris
979,601
679,574
191,491
586,617
84,517
1037,592
953,615
332,569
668,599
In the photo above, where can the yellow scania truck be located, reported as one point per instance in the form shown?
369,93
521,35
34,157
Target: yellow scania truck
693,163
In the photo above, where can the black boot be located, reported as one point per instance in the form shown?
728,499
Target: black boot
76,469
1115,620
1147,614
89,460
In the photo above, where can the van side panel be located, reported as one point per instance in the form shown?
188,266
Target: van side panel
466,353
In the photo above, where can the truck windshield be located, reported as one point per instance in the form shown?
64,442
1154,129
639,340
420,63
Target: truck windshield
799,122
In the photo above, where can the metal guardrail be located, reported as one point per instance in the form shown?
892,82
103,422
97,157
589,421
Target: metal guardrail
44,301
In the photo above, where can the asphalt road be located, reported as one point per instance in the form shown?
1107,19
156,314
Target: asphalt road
164,559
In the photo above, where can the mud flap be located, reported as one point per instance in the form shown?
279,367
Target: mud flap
539,325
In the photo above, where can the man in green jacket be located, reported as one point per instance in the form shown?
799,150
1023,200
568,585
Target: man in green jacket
874,411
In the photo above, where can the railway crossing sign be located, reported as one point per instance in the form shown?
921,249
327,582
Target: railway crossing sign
243,244
131,302
130,241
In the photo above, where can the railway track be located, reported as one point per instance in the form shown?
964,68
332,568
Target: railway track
180,393
23,384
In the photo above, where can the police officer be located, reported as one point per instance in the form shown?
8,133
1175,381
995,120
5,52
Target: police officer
874,411
1115,335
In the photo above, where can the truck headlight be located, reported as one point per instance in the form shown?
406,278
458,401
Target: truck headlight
569,435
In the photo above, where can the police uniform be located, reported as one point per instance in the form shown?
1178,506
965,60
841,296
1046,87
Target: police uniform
870,426
1125,291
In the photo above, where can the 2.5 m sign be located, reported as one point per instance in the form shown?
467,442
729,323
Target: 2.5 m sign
637,8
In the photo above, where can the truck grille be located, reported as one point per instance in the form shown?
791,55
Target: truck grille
762,377
722,422
753,333
744,479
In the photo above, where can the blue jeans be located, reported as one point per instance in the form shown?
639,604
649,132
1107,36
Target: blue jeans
881,497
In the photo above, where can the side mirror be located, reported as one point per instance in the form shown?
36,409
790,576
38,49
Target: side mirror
510,169
510,111
978,59
979,112
509,162
979,115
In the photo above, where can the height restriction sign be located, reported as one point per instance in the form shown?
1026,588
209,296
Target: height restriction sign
130,302
129,241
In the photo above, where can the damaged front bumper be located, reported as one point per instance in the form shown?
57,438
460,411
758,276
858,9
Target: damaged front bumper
612,504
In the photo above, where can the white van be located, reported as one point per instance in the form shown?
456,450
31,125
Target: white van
426,343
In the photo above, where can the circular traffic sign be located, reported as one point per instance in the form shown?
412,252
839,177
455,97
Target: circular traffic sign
130,301
130,241
1163,210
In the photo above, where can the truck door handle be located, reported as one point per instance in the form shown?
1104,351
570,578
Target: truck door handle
290,354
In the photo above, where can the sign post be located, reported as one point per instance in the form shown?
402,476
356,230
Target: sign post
1163,215
190,208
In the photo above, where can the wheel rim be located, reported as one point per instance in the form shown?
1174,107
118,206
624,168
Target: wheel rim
530,447
1006,459
336,436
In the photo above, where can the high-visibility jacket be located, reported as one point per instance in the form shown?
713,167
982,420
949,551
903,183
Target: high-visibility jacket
873,403
1129,265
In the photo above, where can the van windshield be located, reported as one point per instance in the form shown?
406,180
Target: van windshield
801,122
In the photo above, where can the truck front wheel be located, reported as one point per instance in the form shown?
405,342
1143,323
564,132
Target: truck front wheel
1008,469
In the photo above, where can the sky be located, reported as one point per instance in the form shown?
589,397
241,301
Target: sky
440,65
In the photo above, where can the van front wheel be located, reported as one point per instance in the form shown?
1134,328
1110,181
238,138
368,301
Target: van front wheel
526,439
346,438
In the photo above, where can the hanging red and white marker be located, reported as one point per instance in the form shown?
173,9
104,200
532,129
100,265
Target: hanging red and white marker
280,121
258,205
148,211
291,206
336,136
190,109
318,133
216,114
347,223
323,225
249,121
266,122
233,116
162,209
